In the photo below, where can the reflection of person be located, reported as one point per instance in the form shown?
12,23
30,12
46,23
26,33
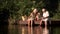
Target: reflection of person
23,30
38,30
45,31
30,30
45,16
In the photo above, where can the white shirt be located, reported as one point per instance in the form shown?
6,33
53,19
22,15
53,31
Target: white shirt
45,14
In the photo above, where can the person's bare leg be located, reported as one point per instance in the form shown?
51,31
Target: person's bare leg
45,23
40,22
29,23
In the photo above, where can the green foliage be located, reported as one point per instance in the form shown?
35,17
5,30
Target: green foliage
56,16
56,30
17,8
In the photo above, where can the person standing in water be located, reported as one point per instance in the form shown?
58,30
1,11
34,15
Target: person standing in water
44,16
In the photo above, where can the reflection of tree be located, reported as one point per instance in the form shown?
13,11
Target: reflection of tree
12,29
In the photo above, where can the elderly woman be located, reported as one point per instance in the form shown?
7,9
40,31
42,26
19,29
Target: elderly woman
45,16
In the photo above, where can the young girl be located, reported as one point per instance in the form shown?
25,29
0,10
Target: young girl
37,16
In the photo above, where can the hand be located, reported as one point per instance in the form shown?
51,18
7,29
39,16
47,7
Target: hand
45,17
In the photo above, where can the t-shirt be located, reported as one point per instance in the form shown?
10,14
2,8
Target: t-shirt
45,14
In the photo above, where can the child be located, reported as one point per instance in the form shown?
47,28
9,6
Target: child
38,16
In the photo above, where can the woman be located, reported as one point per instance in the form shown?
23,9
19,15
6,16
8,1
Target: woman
32,17
45,16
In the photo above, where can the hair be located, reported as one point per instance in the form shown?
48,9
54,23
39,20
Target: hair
44,8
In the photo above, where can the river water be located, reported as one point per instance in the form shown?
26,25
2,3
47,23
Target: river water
22,29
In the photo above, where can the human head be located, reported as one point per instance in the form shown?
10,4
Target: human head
43,9
35,11
38,13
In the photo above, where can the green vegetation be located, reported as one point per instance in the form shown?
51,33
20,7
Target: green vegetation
17,8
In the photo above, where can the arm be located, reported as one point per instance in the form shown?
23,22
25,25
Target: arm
45,17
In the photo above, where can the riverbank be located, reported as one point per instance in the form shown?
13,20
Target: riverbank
51,22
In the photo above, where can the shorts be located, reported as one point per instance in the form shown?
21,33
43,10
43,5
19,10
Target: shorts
46,19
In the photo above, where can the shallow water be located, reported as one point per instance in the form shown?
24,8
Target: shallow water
19,29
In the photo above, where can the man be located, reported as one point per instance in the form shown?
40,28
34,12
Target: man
45,16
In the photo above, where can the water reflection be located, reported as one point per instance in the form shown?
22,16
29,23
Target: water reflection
38,30
18,29
23,30
12,29
45,30
3,29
